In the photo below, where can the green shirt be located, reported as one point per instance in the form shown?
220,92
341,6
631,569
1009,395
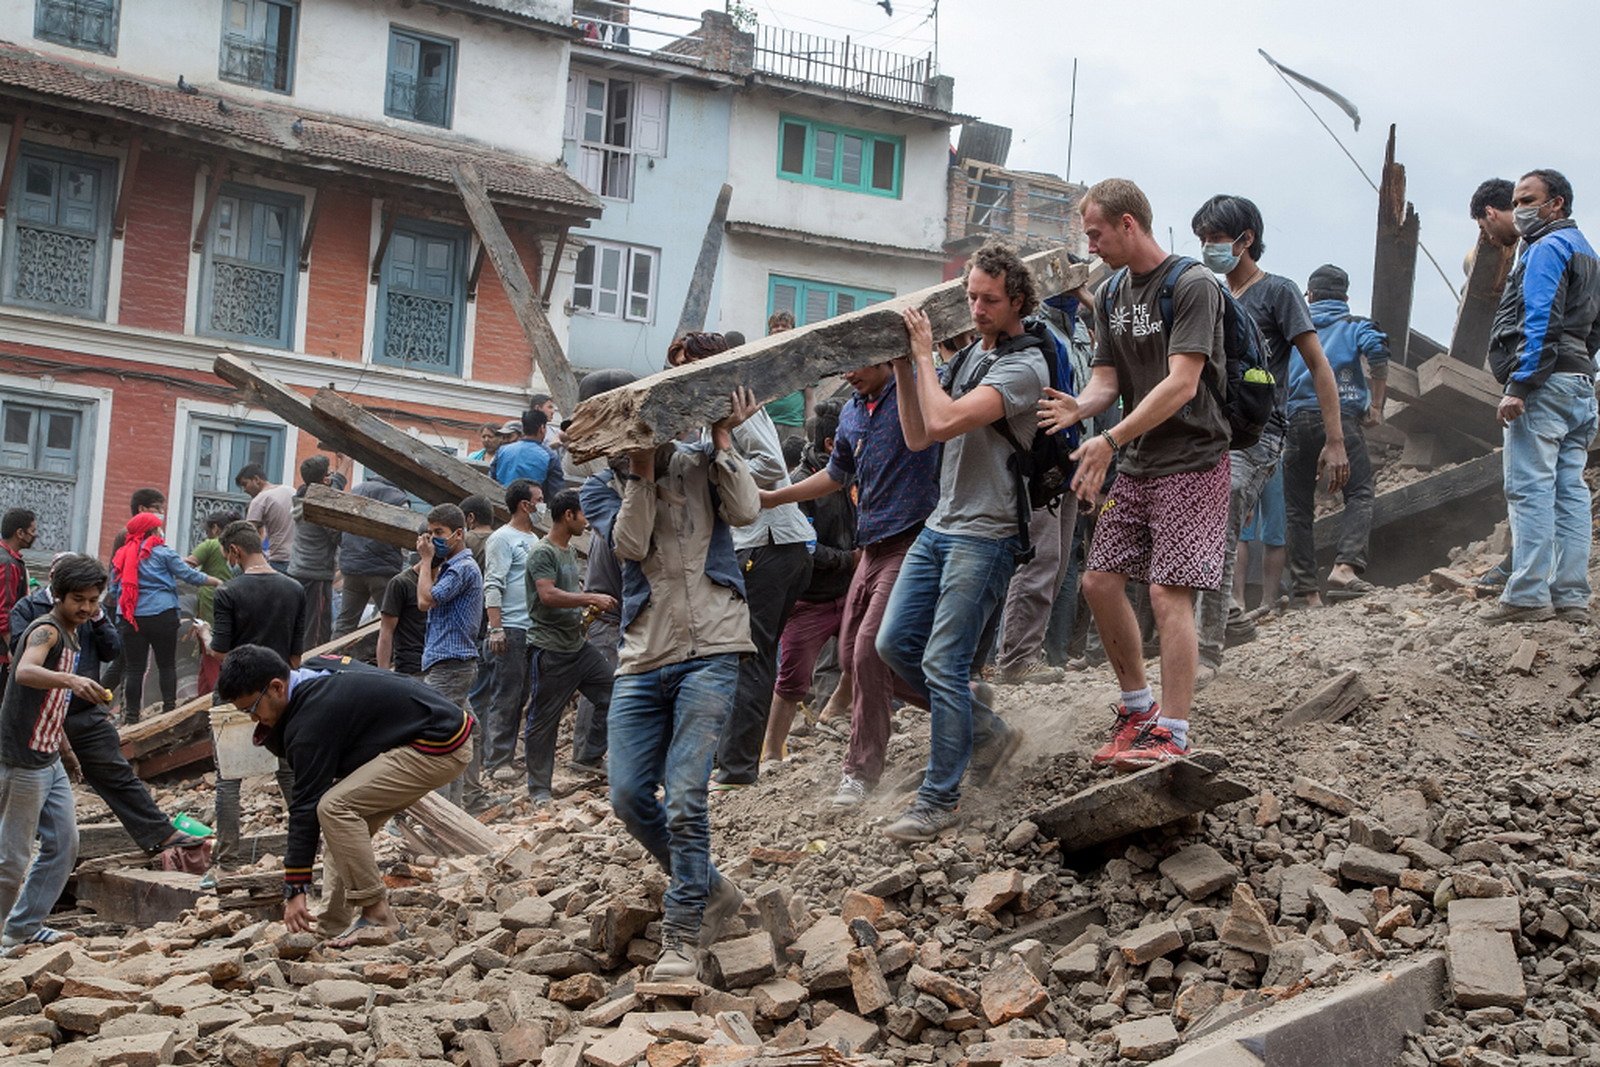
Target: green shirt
209,557
789,410
555,629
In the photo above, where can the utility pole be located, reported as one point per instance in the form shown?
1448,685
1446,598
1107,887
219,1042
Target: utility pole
1072,113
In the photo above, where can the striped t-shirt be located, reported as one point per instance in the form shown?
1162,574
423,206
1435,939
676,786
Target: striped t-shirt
31,720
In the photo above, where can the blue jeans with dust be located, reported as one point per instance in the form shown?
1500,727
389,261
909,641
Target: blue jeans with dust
948,585
664,729
1546,497
34,802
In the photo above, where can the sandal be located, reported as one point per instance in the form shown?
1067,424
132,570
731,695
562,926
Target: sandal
1354,589
45,935
352,934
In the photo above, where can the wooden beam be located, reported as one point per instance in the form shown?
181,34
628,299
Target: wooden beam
1394,266
219,174
1468,395
664,405
391,214
411,464
277,398
1144,800
13,149
457,833
1421,496
698,299
1491,263
362,516
546,348
477,272
119,224
553,269
310,231
1329,702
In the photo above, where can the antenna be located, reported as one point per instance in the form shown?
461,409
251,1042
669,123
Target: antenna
1072,112
935,17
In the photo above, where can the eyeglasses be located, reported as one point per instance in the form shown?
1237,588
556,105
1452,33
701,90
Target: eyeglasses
251,710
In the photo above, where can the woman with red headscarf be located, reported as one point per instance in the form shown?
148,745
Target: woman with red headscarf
144,578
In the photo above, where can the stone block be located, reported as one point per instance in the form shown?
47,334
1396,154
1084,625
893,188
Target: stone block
1370,833
995,1053
1324,796
1337,908
1484,970
523,1043
1294,891
404,1029
889,883
1363,865
993,890
620,1048
528,913
1405,812
1422,854
1146,1039
778,998
745,961
946,989
1247,927
579,991
85,1015
606,1012
1010,991
140,1050
847,1032
338,994
262,1046
824,950
1078,964
858,905
1145,943
1199,871
866,981
99,987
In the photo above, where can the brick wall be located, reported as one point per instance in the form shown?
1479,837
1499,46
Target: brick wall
155,261
500,352
340,263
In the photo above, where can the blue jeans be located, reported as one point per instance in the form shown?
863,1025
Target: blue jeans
34,802
948,586
664,728
1551,531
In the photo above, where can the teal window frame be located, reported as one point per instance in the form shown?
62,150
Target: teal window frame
238,237
61,217
815,131
442,285
409,54
87,24
805,289
248,53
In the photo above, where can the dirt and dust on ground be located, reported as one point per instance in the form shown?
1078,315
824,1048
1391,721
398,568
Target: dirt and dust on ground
1439,844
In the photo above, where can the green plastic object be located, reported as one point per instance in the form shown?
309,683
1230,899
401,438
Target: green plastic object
191,826
1258,374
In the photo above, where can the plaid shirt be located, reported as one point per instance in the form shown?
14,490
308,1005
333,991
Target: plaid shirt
457,613
895,488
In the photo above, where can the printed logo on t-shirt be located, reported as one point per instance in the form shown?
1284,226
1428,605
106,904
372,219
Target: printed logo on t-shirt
1144,323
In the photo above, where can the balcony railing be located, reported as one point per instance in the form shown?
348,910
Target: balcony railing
418,101
843,65
620,26
252,62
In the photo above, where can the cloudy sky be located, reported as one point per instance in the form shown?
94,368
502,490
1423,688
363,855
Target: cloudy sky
1173,95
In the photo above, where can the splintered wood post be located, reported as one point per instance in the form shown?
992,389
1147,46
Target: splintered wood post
652,410
698,299
1394,266
1140,801
519,289
1467,397
411,464
1491,263
366,517
455,830
1438,489
278,398
1329,702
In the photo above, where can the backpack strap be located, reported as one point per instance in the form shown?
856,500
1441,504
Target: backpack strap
1001,427
1168,288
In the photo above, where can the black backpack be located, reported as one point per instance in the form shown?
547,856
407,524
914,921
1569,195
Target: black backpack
1252,393
1043,471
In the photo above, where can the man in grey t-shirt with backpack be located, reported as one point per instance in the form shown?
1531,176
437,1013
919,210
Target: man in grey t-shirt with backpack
960,565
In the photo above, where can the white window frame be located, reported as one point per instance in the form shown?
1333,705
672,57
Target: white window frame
606,166
629,255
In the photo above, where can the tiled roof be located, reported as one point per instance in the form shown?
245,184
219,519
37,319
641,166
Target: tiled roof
320,138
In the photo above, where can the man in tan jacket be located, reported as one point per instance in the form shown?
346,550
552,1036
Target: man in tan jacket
684,626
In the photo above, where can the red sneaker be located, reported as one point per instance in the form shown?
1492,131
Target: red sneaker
1154,745
1125,732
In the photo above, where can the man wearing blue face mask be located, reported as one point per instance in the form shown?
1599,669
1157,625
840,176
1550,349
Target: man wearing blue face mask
1231,230
1541,349
453,599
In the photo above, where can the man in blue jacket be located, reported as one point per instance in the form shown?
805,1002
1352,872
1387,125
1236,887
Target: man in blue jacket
1541,349
1346,340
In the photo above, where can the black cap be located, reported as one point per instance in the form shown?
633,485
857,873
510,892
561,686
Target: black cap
1329,283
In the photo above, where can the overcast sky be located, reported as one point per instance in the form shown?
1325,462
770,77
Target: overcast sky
1173,95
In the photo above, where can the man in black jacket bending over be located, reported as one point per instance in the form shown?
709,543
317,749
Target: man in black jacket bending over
387,739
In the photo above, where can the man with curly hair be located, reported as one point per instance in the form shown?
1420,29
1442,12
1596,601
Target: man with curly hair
959,566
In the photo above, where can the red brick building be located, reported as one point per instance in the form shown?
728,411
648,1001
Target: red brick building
291,202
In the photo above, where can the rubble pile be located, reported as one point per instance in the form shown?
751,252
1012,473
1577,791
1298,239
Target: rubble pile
1420,858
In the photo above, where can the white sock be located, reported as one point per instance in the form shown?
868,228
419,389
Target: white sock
1139,701
1179,728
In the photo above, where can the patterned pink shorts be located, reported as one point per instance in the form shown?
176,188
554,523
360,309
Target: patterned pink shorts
1167,530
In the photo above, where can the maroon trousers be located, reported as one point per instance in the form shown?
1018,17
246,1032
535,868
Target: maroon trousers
875,685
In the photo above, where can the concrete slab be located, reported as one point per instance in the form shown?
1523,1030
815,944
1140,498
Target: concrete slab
1356,1024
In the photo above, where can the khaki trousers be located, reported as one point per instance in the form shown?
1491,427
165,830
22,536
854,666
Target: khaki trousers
357,807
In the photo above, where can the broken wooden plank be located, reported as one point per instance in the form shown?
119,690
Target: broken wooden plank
524,298
1491,263
99,840
1440,488
388,523
411,464
174,759
664,405
1402,385
698,299
1394,264
456,832
1329,702
1140,801
278,398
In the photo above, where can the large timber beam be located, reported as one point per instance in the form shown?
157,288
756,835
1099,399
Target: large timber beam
698,299
519,289
664,405
1438,489
277,398
1394,266
411,464
362,516
1491,263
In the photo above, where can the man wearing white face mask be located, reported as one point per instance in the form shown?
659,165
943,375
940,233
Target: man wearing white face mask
1230,229
1541,349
